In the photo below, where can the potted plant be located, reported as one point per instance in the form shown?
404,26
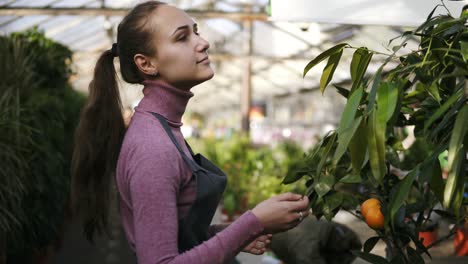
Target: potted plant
254,172
461,240
38,113
426,91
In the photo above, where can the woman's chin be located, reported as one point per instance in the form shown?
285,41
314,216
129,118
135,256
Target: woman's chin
207,75
210,75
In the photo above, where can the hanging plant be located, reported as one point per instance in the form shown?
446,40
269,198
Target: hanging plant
426,92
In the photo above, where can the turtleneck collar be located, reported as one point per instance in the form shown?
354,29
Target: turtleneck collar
164,99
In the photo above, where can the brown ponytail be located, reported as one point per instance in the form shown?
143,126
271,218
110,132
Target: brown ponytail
100,133
97,145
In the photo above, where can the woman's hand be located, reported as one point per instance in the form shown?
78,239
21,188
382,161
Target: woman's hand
282,212
259,245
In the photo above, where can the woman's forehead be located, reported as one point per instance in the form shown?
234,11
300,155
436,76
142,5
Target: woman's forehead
168,19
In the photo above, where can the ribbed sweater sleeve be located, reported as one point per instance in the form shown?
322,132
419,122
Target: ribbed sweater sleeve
154,189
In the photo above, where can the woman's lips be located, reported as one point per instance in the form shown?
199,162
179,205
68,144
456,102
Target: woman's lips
204,60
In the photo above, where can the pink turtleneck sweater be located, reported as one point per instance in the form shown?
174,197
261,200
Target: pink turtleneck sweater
156,188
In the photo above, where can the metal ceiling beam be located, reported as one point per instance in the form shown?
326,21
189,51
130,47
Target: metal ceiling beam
13,19
8,3
199,14
217,56
50,4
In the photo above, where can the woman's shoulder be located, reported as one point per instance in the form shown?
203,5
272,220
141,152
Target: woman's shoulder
146,138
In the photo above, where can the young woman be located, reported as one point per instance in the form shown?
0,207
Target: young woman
167,195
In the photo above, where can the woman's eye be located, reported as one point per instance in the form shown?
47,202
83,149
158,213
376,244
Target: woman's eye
182,38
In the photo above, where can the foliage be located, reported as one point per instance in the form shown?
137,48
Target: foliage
254,172
427,91
39,111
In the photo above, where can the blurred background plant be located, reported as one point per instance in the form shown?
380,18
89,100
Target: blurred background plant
421,101
38,114
254,172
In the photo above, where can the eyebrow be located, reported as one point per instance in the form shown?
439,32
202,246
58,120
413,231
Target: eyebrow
184,27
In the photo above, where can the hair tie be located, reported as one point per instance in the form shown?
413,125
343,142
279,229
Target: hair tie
115,50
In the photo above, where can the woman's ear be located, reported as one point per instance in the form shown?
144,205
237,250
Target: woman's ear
145,64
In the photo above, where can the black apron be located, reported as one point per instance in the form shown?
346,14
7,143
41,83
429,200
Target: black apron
210,181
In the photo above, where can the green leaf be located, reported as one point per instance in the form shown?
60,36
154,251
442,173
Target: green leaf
344,138
326,153
370,257
443,108
400,196
398,259
373,91
333,200
349,112
433,90
323,56
447,120
414,256
327,212
351,178
317,206
324,185
464,49
376,147
459,193
296,172
293,177
355,63
387,97
359,64
344,92
464,13
370,243
350,201
455,155
444,214
447,28
329,69
311,156
418,206
432,12
310,190
437,183
431,22
348,124
358,147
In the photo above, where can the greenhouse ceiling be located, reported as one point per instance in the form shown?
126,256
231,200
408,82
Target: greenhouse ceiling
239,31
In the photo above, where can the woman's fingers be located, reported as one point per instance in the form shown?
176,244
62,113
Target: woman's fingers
299,205
260,245
288,197
257,251
262,241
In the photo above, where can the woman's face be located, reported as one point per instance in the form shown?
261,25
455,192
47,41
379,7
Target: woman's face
181,53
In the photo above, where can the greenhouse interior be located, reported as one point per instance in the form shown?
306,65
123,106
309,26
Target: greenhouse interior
359,107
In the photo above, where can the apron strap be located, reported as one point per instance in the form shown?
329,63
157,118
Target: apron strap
166,127
188,146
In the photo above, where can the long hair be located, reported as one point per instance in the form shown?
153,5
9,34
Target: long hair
100,132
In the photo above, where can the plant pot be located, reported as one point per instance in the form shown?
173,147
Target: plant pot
225,216
428,237
461,242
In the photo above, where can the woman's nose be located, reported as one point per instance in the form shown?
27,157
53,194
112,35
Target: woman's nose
203,44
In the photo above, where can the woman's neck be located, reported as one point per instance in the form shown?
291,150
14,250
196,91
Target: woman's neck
165,100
